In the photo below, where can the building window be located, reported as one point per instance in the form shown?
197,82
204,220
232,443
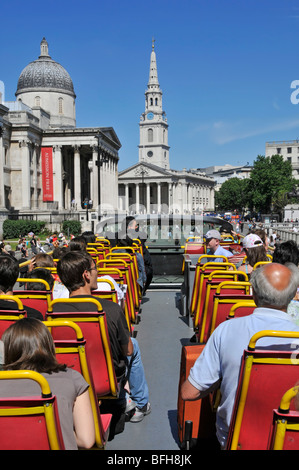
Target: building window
278,151
150,135
60,105
151,101
37,101
289,150
156,101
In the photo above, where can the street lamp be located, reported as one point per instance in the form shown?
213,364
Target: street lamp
99,162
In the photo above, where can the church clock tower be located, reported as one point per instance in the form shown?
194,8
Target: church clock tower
153,147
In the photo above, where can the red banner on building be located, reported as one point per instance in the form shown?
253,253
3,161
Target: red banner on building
47,173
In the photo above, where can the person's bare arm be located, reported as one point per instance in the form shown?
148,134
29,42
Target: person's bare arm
84,427
189,392
128,348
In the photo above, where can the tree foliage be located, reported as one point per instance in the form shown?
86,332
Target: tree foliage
270,180
231,195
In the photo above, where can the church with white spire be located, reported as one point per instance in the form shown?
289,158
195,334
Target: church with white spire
153,147
151,186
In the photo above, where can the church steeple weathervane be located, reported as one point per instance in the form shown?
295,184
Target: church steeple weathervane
153,125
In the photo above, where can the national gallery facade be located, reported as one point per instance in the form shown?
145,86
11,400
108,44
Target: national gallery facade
46,163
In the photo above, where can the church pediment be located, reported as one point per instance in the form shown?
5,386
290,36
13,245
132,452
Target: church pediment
142,170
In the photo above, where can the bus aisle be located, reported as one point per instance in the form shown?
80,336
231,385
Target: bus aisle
161,333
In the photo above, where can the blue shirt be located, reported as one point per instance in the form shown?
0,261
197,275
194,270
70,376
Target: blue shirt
220,252
221,357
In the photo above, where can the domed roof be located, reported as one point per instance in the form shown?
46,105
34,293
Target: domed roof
45,74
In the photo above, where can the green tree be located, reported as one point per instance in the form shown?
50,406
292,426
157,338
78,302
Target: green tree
270,178
231,195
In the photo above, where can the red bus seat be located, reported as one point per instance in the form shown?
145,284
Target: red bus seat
205,306
241,309
38,299
98,350
7,317
72,353
29,423
264,377
201,273
226,295
284,433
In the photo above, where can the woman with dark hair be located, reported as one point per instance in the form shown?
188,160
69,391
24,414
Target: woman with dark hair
28,345
286,252
255,252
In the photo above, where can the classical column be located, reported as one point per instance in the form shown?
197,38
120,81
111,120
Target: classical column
159,196
127,198
25,159
94,178
77,176
58,185
2,192
137,208
148,198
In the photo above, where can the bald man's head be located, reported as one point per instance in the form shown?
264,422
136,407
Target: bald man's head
275,285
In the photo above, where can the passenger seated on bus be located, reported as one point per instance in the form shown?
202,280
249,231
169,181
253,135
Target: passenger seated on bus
78,272
60,291
129,231
9,273
288,252
28,344
255,252
274,285
213,239
40,273
263,236
41,260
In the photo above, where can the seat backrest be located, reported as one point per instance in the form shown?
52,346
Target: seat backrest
226,295
115,273
241,309
7,317
94,327
38,299
284,434
29,423
131,260
202,270
205,306
123,267
72,353
264,377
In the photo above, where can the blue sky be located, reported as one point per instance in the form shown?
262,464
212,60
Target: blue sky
225,68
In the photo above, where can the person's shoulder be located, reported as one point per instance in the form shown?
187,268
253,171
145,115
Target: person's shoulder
33,313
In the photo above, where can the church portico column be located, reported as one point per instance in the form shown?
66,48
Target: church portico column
137,198
159,196
148,198
127,198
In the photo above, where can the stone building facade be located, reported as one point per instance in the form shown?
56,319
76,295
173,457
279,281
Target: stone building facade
151,186
46,162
